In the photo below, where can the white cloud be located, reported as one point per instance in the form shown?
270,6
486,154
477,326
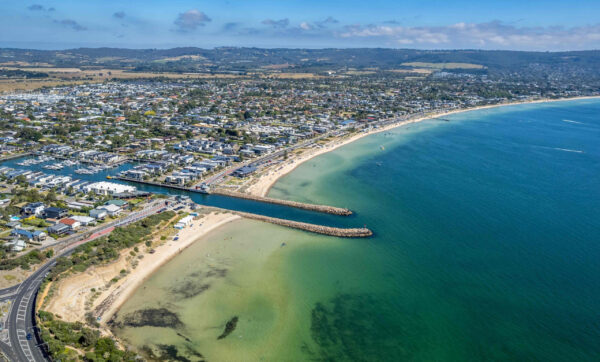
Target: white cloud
191,20
480,35
305,26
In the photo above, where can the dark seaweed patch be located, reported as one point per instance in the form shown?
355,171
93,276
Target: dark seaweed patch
229,327
360,328
194,284
216,272
190,289
170,353
184,337
153,317
192,352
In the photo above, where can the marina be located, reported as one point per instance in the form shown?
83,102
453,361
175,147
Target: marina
75,178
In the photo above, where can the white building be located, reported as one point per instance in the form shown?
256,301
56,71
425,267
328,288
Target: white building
108,188
98,214
184,222
84,220
112,210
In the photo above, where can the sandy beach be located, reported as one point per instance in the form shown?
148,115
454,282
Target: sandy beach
269,176
74,297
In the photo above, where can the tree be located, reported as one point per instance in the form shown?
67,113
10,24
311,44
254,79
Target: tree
29,134
51,196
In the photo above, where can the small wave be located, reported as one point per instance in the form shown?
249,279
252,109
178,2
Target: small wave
570,121
567,150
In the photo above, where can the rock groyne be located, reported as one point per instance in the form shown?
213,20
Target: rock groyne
313,228
299,205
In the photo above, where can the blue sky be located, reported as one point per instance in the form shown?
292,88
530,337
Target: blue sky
426,24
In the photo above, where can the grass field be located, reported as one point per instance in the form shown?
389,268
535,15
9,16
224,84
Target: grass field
443,65
68,76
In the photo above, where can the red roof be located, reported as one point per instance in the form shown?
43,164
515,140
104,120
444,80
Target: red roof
68,221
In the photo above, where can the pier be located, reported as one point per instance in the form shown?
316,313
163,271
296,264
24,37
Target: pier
313,228
300,205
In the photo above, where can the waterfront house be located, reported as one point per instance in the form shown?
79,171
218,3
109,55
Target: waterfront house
244,171
108,188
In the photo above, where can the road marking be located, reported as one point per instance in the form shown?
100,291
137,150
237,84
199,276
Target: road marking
23,343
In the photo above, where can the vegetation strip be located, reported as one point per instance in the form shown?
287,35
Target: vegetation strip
65,338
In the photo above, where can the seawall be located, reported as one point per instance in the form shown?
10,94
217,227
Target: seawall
299,205
318,229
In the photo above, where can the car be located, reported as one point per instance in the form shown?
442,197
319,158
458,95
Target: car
29,336
176,238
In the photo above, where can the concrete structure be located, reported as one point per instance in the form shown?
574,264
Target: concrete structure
184,222
112,210
108,188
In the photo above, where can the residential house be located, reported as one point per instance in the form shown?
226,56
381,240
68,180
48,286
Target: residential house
33,209
98,214
55,213
58,229
112,210
84,220
29,235
71,223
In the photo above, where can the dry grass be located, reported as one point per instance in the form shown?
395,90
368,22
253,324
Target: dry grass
444,65
65,76
413,71
293,76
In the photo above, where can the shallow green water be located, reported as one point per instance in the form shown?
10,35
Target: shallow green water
486,247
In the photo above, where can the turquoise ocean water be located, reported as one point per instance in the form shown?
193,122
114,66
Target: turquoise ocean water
486,247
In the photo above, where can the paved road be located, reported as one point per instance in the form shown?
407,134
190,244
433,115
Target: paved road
21,320
218,177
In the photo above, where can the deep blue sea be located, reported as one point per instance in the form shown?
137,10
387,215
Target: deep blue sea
487,238
486,248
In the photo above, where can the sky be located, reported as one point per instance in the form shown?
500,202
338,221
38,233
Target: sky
548,25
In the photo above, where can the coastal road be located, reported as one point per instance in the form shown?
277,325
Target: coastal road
218,177
21,320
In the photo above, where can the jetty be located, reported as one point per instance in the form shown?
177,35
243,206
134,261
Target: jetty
313,228
299,205
269,200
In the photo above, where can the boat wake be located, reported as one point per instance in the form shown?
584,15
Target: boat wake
567,150
570,121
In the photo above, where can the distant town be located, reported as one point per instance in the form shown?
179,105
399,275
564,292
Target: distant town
97,166
200,135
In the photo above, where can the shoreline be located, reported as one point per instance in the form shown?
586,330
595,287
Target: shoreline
72,295
187,237
263,184
119,293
